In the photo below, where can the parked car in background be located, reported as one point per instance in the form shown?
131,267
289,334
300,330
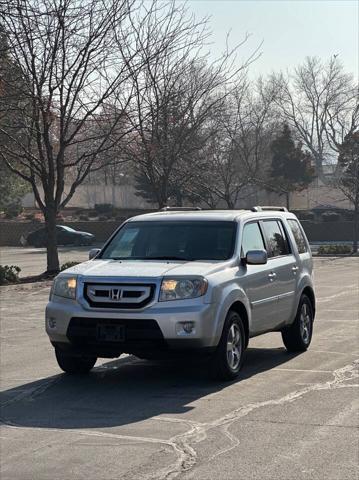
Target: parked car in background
182,282
65,236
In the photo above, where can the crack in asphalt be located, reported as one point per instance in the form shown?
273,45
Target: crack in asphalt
187,454
183,444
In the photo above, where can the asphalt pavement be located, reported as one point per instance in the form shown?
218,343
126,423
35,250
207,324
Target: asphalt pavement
288,417
32,261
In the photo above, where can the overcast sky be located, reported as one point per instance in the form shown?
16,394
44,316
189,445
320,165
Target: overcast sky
290,29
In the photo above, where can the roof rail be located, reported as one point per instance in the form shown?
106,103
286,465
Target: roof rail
179,209
265,209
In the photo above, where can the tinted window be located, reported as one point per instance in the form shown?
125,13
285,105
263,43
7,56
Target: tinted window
277,241
252,238
298,236
177,240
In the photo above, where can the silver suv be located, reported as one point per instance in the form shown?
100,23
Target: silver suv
177,282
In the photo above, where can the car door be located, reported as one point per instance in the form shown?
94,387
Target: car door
61,235
283,266
257,281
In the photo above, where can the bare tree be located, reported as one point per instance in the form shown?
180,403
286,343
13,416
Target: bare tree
175,95
318,103
74,58
237,155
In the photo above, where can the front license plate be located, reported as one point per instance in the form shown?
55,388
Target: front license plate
111,333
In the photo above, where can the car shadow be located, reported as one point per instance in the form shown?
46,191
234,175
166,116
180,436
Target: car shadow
123,391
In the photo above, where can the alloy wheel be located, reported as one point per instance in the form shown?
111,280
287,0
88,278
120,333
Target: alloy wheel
234,347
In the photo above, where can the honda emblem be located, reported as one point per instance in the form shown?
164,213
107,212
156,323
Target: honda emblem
115,294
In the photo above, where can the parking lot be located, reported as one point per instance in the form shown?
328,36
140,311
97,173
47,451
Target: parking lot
32,261
287,417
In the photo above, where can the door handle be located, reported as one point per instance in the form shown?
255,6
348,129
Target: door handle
295,269
272,276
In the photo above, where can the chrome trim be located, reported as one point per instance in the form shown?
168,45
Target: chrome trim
116,293
264,300
287,294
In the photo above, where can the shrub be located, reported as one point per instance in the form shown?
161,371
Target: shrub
9,274
92,214
330,217
84,218
29,216
69,264
105,208
103,218
334,249
13,210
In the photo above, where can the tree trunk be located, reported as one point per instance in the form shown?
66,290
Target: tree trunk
287,198
356,228
179,199
53,266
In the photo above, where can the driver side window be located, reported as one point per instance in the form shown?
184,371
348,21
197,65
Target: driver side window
251,239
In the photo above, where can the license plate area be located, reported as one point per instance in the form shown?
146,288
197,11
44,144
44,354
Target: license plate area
110,333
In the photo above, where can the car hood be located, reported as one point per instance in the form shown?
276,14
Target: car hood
140,268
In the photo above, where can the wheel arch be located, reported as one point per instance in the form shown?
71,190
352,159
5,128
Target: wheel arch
309,292
240,308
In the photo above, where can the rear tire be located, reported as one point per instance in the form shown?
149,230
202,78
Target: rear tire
74,364
228,358
297,337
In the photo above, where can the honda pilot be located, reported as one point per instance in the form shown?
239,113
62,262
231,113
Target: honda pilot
180,282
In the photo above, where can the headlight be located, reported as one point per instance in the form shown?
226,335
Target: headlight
182,288
65,287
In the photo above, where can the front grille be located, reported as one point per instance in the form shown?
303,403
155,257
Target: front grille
118,295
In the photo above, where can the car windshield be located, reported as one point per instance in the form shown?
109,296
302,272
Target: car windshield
171,240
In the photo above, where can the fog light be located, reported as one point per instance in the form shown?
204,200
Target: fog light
51,322
185,328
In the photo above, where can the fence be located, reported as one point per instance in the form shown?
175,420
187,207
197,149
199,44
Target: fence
11,232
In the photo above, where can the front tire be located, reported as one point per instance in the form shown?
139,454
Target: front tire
297,337
74,364
228,359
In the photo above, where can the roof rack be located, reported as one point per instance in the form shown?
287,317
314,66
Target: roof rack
179,209
265,209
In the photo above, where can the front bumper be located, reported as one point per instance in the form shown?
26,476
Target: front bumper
69,325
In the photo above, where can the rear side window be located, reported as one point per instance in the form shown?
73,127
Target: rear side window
298,236
252,238
276,239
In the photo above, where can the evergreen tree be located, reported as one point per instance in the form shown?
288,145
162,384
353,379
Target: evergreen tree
291,167
348,178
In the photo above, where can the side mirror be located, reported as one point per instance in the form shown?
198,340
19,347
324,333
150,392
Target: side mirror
94,252
256,257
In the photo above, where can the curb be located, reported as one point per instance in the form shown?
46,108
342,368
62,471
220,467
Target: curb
334,255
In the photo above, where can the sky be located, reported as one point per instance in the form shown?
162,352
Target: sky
289,29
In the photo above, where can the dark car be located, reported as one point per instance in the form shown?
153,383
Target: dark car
65,236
